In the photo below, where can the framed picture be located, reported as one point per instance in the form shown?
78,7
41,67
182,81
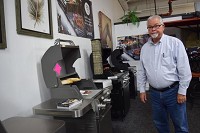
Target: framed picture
105,29
75,17
34,18
2,27
132,45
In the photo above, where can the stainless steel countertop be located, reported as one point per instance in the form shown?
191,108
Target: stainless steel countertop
33,125
49,107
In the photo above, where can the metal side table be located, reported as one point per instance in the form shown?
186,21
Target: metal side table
33,125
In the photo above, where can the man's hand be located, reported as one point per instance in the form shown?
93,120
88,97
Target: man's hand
181,98
143,97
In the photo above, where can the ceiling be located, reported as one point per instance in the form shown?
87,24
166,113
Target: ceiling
152,7
146,8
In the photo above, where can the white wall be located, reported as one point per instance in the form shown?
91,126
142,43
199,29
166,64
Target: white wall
21,81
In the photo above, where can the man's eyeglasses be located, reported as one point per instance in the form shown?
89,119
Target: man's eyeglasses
154,27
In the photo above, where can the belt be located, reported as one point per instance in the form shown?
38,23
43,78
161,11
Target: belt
166,88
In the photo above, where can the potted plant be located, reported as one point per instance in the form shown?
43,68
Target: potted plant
131,17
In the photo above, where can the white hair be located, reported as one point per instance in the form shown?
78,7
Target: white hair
155,17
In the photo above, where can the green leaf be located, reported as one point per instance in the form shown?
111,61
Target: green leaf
130,17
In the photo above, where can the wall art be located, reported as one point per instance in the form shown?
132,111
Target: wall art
105,29
34,18
3,44
75,18
132,45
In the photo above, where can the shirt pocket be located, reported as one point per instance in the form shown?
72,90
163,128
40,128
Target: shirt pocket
166,62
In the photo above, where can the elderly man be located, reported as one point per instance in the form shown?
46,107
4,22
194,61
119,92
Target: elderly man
164,65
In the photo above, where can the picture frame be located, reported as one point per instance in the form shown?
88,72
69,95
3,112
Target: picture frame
132,45
32,22
105,29
75,17
3,43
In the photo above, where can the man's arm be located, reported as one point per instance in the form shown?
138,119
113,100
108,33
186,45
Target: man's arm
141,76
183,68
141,81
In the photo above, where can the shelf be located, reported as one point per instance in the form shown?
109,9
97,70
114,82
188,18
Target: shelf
184,22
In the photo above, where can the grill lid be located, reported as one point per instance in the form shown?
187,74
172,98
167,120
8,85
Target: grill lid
57,64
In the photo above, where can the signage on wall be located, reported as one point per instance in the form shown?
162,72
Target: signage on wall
105,29
132,45
75,18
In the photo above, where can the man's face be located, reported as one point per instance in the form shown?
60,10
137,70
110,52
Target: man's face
155,28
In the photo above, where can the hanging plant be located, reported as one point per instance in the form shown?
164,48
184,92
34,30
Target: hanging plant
131,17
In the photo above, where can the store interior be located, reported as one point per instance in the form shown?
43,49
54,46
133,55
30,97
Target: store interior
75,50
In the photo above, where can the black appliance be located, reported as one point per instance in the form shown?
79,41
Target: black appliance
93,115
124,87
117,61
120,96
133,82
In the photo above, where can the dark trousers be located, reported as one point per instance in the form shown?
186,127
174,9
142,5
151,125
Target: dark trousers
164,105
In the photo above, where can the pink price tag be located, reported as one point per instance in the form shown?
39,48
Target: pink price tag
57,68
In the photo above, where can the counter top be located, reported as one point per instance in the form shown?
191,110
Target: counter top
49,107
33,125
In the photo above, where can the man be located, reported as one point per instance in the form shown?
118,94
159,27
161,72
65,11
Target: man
164,65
